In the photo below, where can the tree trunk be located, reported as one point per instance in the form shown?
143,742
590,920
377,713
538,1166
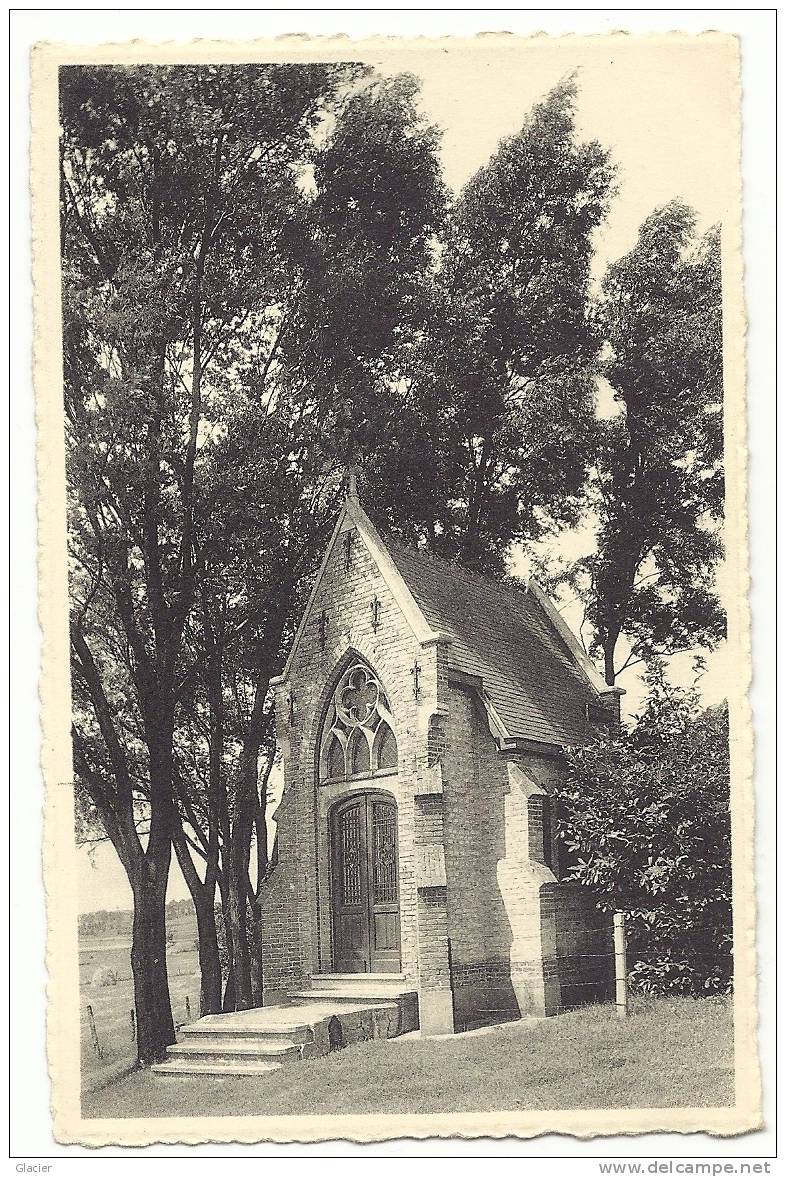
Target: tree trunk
228,1003
229,994
243,825
241,961
209,961
246,805
155,1026
609,646
203,898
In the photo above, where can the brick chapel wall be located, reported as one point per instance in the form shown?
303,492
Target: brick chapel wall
576,940
480,936
505,932
521,941
296,928
282,950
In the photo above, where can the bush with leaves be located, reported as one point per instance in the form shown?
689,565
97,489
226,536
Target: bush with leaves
644,819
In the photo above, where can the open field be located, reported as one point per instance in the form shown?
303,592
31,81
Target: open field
668,1053
112,1004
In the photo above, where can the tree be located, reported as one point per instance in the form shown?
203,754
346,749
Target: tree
314,388
494,445
656,486
644,817
178,187
240,275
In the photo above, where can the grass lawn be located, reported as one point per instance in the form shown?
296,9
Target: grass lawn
668,1053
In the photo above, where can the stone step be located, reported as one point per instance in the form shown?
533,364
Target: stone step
380,986
254,1042
329,980
383,998
184,1067
228,1051
260,1038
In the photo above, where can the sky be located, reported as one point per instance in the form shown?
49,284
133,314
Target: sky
657,105
662,107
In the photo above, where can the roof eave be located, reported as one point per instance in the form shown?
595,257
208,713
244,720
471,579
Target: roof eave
395,581
525,744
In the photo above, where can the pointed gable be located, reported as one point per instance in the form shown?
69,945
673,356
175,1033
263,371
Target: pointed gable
351,518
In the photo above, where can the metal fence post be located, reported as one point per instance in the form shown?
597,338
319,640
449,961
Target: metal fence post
620,965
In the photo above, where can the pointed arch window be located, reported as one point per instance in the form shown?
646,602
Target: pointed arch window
360,753
335,760
387,750
358,737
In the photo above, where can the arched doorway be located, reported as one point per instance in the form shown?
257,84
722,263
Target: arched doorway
364,891
358,767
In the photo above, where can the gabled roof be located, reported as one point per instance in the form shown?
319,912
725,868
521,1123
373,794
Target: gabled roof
534,677
534,680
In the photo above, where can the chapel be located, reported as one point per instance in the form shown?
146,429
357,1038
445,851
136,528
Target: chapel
422,715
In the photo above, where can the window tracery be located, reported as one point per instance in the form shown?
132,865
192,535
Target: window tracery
357,737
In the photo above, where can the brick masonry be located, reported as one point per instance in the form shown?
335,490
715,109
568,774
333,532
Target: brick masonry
486,927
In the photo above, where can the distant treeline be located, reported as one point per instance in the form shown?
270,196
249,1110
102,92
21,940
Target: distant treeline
120,923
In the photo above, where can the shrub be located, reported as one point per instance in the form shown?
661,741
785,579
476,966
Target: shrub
644,818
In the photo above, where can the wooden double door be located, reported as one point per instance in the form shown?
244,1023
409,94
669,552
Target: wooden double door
364,883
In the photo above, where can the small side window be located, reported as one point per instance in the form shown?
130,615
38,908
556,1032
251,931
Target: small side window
539,828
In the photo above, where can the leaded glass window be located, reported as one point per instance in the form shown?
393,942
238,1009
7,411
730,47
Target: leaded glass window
358,736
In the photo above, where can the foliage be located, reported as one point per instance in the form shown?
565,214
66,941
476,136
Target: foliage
656,485
105,923
120,923
644,817
243,249
501,410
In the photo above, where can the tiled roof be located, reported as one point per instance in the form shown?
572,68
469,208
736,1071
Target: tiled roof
501,633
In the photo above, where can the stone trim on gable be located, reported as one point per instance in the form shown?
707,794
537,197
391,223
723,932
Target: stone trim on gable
580,657
353,516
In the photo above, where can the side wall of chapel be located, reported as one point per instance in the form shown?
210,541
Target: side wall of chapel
521,942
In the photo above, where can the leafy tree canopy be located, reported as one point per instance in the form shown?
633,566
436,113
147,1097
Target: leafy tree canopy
495,443
656,483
